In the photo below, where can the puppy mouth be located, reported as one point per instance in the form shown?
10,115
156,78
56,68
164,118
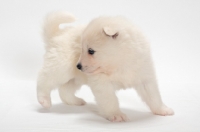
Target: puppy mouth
92,72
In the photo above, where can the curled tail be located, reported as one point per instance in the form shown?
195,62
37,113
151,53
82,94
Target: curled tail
52,22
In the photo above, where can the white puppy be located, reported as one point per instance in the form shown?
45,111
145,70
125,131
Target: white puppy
110,54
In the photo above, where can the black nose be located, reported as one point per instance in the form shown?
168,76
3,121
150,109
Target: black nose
79,66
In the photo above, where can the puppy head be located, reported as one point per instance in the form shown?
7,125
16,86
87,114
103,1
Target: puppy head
100,47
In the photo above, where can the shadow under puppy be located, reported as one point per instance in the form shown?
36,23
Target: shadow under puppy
109,54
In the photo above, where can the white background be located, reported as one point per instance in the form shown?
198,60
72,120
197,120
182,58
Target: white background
172,27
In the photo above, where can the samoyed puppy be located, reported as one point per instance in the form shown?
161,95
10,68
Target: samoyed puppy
108,54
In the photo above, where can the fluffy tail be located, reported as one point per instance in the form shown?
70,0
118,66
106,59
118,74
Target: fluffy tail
52,22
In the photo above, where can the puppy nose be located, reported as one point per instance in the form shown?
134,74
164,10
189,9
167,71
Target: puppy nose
79,66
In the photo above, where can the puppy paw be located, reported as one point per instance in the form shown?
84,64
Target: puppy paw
164,111
45,101
75,101
120,117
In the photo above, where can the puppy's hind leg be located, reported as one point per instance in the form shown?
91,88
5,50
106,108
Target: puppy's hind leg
44,87
67,93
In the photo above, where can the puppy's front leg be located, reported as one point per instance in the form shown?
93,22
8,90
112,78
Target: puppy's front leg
108,102
148,90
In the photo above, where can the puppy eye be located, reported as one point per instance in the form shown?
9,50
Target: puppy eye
91,51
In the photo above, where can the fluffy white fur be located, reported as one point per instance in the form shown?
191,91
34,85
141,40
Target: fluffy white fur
121,59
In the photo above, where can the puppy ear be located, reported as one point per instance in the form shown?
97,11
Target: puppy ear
110,32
